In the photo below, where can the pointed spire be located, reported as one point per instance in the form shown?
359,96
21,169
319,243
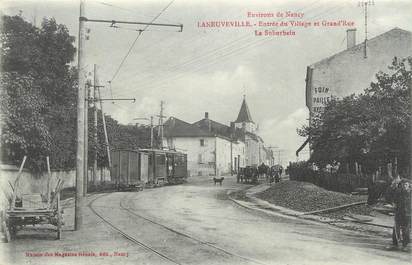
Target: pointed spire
244,114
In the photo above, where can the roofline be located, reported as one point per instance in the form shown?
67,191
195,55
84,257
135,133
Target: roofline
357,46
209,136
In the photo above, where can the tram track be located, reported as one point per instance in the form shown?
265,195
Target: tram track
168,228
126,235
123,207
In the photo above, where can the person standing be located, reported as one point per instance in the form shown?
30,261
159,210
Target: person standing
402,200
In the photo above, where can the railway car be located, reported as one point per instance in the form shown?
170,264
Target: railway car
133,169
166,166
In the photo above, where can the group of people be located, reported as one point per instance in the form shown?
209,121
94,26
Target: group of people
272,174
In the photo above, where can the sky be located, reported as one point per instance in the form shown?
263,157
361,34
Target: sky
202,69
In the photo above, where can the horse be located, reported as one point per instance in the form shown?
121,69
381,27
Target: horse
275,172
263,170
250,174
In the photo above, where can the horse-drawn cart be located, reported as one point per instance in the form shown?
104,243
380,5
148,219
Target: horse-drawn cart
32,209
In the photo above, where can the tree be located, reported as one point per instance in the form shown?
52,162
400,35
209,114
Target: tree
24,131
40,58
371,128
39,99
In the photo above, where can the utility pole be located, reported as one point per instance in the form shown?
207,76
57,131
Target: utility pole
95,84
105,131
151,132
364,5
86,138
82,105
160,130
78,218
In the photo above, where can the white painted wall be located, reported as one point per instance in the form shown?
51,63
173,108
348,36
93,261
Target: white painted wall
349,72
206,165
191,146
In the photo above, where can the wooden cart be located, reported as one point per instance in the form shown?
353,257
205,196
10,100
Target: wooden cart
32,209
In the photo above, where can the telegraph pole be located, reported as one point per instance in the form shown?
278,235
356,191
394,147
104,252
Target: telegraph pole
364,5
160,131
81,92
151,132
86,138
95,84
105,131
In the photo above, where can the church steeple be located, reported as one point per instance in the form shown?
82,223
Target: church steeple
244,114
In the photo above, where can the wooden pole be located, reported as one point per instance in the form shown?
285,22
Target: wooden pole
151,132
80,123
86,138
48,181
105,132
96,83
16,183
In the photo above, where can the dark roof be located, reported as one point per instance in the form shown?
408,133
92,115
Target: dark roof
174,127
244,114
214,127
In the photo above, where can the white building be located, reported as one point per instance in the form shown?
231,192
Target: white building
352,70
214,148
210,150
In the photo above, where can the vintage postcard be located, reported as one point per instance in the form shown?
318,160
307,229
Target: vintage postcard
205,132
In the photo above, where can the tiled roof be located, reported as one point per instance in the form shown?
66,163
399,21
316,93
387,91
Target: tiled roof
174,127
214,127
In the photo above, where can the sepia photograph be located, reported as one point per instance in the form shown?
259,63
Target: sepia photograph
205,132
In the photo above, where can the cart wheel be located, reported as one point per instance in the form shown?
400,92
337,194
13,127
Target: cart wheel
6,231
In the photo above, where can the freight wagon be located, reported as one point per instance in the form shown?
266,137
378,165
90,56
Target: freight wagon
133,169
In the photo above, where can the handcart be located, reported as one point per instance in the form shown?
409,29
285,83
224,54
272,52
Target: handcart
33,209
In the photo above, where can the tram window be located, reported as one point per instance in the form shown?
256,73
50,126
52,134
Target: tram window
160,159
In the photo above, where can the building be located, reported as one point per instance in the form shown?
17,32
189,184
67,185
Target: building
215,148
209,146
352,70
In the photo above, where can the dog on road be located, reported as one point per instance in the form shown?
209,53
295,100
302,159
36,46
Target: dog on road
218,180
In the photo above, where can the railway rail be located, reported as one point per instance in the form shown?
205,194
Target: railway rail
179,233
127,236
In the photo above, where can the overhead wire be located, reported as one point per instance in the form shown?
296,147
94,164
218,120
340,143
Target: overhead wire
219,54
226,46
130,10
138,36
196,68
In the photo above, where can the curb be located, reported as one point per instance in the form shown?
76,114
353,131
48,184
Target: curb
274,210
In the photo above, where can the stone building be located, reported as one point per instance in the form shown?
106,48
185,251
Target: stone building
353,69
215,148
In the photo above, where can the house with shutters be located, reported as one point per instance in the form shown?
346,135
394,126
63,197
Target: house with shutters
214,148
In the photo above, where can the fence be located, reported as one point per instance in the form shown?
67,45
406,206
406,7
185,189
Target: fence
341,182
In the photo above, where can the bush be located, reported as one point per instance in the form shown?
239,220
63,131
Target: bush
341,182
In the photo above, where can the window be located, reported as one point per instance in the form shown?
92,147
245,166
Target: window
199,158
202,142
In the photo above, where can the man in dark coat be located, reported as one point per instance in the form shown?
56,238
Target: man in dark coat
402,200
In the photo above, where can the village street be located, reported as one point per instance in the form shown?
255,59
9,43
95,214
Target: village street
197,223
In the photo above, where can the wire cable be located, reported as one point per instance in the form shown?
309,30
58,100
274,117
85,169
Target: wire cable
138,36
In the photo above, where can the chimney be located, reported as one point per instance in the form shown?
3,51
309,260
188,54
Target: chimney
206,115
351,38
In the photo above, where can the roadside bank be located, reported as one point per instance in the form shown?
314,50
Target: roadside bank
310,202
